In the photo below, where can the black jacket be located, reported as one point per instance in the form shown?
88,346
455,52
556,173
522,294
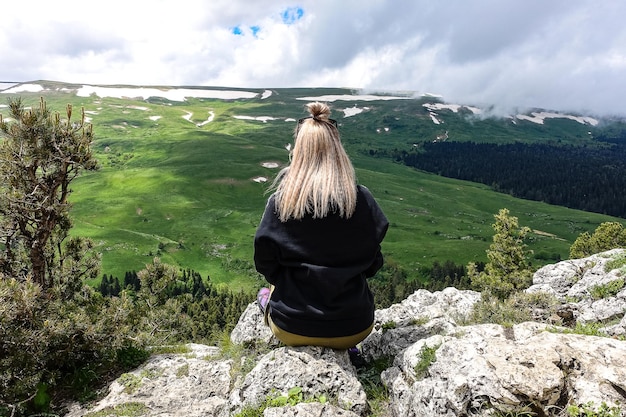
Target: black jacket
319,268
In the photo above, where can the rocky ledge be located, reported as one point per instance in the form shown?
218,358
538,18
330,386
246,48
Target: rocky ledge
436,365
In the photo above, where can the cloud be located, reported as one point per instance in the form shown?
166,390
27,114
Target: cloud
559,55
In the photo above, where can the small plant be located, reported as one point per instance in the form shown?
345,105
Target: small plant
610,289
419,321
521,412
389,325
518,308
293,397
131,382
618,262
587,329
588,410
427,358
243,356
131,409
183,371
376,392
179,349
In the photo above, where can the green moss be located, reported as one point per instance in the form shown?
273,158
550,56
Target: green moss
130,409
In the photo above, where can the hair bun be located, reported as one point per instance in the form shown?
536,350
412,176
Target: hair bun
319,111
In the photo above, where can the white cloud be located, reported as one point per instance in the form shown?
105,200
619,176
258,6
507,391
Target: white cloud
559,55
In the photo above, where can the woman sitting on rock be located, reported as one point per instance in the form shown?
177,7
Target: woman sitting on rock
318,241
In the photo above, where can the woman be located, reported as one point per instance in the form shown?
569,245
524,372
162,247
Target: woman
318,241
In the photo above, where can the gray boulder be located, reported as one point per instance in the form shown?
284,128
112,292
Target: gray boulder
194,384
317,371
574,282
488,368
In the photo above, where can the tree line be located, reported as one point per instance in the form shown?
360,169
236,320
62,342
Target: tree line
205,310
589,178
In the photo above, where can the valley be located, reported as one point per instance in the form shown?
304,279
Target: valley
184,174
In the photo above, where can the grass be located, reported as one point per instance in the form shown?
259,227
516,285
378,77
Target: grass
185,193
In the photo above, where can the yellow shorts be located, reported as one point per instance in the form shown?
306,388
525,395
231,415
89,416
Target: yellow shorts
343,342
291,339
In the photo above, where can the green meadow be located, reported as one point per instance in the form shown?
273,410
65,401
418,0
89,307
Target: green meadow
175,185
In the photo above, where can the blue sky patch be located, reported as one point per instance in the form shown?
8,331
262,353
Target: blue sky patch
239,31
292,14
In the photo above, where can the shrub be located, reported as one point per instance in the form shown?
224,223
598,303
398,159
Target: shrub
518,308
608,235
49,344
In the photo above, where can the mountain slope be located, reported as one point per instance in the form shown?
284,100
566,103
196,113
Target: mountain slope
185,171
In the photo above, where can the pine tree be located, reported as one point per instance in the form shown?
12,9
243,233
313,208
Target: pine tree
104,285
508,269
40,155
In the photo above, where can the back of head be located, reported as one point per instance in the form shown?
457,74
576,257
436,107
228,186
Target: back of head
321,177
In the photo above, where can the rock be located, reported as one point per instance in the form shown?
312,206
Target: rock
574,278
317,371
489,367
250,328
185,385
573,282
421,315
308,410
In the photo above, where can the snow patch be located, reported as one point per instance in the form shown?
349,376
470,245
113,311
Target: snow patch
24,88
259,179
154,118
266,94
263,119
453,107
541,116
433,116
175,94
348,97
270,164
352,111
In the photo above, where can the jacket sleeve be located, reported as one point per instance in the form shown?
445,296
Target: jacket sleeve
266,250
381,225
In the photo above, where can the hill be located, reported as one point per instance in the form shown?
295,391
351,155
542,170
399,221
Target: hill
185,170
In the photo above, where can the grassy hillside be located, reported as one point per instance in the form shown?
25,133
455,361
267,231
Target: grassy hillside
175,185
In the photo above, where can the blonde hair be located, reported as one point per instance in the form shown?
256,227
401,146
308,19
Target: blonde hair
321,177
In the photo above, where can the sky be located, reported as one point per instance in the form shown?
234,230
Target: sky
563,55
